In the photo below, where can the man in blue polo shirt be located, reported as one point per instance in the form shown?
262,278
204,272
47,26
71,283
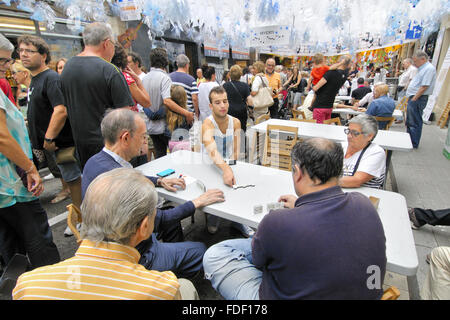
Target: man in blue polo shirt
382,105
420,87
321,246
182,78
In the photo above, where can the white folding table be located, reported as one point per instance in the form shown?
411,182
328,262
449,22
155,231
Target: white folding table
270,184
388,140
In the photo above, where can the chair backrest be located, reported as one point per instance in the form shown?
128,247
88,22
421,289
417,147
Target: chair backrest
391,293
298,113
337,121
389,120
262,118
278,146
304,120
73,218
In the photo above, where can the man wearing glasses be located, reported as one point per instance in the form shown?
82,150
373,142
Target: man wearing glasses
275,83
47,112
91,85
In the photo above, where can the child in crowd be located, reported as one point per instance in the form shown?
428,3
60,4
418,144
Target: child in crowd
176,123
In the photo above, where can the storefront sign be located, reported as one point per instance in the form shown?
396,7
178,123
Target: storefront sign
239,53
129,10
270,36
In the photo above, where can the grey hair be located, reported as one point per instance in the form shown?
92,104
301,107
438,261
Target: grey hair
421,54
96,32
116,121
5,44
115,204
368,123
182,60
409,60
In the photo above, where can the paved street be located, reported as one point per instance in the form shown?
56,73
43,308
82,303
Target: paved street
423,177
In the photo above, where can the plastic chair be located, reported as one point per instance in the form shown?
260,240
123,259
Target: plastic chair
297,113
73,218
337,121
16,266
277,149
389,120
391,293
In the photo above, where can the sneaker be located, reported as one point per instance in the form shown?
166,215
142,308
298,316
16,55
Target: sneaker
68,232
49,177
246,231
412,217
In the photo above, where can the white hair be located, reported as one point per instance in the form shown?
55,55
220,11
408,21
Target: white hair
115,204
96,32
5,44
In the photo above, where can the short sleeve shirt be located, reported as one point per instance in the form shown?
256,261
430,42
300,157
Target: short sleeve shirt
92,85
373,162
12,189
44,95
317,73
189,85
157,83
274,81
426,76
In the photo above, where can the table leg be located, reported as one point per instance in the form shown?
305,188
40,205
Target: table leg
413,288
390,171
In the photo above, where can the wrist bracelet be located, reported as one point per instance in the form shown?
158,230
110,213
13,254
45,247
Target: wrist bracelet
31,168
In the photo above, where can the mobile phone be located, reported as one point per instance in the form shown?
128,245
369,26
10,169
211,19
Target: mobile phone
165,173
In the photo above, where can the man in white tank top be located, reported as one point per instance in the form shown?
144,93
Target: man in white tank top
221,141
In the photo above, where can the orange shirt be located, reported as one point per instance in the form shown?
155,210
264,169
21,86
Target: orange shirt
274,82
317,73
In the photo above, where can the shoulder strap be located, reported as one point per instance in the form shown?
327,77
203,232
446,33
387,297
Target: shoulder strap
359,158
262,80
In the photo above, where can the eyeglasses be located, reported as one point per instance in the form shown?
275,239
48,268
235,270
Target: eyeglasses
354,133
27,51
4,61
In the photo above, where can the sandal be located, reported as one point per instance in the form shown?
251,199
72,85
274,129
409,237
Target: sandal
62,195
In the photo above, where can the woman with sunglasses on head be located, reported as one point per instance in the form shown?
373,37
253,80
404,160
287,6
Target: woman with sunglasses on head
364,161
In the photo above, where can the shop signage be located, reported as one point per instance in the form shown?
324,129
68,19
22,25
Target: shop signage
270,36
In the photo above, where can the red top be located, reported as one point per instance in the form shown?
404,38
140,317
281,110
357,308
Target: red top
129,79
6,88
317,73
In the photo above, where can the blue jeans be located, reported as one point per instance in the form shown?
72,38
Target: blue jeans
182,258
228,265
414,120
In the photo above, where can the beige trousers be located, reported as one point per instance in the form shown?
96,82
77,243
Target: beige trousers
187,290
437,282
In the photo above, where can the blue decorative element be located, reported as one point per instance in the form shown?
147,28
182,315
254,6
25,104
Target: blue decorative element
414,2
268,10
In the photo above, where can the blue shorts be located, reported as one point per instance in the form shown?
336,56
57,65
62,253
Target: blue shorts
70,171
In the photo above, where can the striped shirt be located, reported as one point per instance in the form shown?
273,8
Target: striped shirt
188,83
373,162
104,271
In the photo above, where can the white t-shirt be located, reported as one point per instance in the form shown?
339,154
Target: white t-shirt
373,162
407,76
203,98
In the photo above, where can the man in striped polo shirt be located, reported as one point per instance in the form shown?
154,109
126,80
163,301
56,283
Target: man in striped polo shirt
105,265
182,78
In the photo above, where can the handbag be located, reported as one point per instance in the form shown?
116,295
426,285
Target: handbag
65,155
263,98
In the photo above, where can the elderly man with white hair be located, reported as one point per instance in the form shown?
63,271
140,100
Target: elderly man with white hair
409,71
125,136
119,212
91,85
420,87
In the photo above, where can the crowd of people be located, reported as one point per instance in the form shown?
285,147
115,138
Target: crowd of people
98,115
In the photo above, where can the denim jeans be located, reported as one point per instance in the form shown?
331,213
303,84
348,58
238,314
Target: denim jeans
228,265
414,120
24,229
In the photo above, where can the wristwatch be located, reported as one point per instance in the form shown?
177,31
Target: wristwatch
49,140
